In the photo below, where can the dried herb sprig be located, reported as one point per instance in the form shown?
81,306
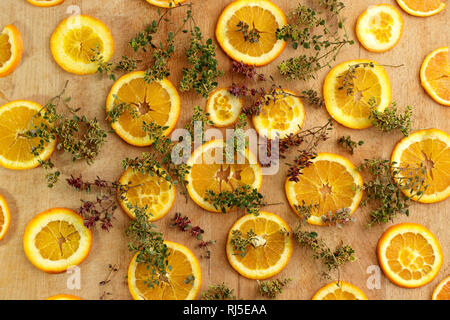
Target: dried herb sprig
384,190
348,144
389,119
251,35
338,218
112,268
196,126
109,68
119,107
219,292
183,223
271,288
240,242
148,242
243,197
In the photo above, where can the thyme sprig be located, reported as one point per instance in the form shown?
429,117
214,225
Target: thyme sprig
338,218
348,144
271,288
126,64
183,223
390,119
384,190
148,242
241,243
251,35
219,292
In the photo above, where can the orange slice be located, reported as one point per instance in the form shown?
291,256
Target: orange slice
442,291
157,101
16,117
270,251
339,291
331,181
409,254
421,8
223,107
77,39
262,17
379,27
435,76
5,217
165,3
208,173
147,190
63,297
431,148
282,116
183,265
45,3
11,48
57,239
351,107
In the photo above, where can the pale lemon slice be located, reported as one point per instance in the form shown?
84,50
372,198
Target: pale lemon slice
223,107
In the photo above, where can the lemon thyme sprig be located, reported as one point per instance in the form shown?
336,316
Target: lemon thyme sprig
109,68
338,218
309,29
148,242
219,292
348,144
77,135
384,191
183,223
240,243
390,119
272,288
202,72
119,107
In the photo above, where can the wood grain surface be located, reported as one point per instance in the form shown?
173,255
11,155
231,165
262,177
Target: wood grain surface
38,78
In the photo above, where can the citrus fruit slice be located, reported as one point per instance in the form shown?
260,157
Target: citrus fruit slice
421,8
183,265
430,148
442,291
331,182
260,19
435,76
5,217
16,118
157,101
165,3
349,89
270,249
208,173
379,27
339,291
147,190
281,116
45,3
409,255
63,297
11,48
57,239
77,40
223,107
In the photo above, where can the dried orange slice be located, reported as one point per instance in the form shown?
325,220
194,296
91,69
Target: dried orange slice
409,254
16,117
430,148
271,247
45,3
421,8
442,291
165,3
157,101
147,190
223,107
331,182
435,76
209,173
339,291
76,41
183,265
56,240
379,27
63,297
5,217
349,104
262,18
11,48
282,115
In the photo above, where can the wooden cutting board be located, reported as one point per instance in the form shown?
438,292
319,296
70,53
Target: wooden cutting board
38,78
